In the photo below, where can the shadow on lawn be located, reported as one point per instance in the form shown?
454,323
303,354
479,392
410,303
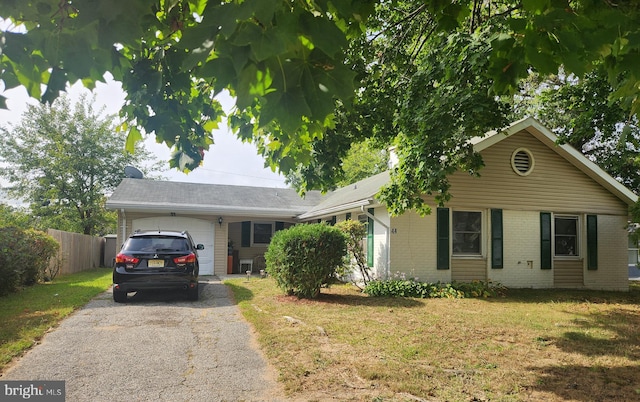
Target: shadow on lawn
619,329
566,296
357,300
326,296
588,383
598,334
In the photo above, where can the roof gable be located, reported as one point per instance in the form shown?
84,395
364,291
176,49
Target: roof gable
363,192
573,156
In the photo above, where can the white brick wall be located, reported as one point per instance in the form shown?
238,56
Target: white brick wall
612,272
413,248
522,252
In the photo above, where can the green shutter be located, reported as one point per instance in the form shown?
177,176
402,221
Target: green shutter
370,238
348,216
279,225
246,234
496,239
545,240
592,242
442,258
333,220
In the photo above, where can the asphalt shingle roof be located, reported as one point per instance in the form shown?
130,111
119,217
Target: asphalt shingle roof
146,194
354,195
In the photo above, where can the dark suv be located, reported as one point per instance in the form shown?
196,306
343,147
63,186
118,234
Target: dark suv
156,260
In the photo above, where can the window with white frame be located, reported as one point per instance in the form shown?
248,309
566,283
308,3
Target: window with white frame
262,233
467,232
566,235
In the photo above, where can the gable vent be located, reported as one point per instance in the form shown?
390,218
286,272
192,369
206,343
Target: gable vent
522,161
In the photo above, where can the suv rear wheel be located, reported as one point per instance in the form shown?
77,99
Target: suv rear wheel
192,293
119,296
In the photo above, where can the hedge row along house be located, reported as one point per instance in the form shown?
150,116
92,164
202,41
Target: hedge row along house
541,215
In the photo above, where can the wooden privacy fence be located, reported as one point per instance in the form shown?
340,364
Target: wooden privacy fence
78,252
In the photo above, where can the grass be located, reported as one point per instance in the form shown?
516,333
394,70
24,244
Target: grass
549,345
27,315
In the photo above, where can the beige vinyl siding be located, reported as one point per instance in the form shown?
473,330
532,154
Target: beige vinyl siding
553,185
220,249
468,269
568,273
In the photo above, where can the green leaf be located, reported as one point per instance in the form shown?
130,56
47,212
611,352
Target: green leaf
269,43
196,36
323,33
542,62
210,125
184,161
337,80
263,10
536,6
246,81
225,16
57,83
220,69
286,108
133,137
198,55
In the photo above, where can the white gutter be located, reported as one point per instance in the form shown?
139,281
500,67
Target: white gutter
334,209
387,231
217,209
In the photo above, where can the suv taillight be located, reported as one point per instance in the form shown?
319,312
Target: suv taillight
126,259
185,259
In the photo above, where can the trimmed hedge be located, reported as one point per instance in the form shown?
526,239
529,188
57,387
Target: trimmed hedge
24,257
304,257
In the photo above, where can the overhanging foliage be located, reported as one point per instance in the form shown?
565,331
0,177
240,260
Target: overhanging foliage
313,77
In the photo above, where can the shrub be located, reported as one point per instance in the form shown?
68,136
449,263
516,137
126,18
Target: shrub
24,257
10,239
354,232
424,290
304,257
43,248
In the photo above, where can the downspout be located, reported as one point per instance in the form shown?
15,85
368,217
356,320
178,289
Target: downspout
387,231
124,226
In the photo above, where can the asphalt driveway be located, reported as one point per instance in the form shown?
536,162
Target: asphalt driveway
157,347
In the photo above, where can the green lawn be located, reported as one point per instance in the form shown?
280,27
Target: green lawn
535,345
27,315
528,345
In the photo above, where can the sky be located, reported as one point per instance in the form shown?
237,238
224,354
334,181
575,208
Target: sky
228,161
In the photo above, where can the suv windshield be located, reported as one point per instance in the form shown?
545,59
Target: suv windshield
156,243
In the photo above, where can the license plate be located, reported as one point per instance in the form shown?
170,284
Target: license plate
155,263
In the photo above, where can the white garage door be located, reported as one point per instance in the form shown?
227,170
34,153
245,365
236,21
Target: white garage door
200,230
